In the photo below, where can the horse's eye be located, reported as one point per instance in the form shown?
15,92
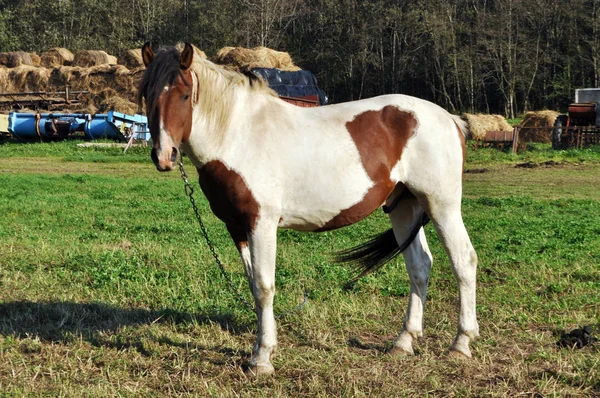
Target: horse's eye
186,97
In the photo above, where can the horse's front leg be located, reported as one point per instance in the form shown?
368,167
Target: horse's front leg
263,246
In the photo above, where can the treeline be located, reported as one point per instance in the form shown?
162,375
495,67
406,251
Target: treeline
499,56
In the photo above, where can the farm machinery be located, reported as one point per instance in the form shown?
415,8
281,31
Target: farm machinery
52,126
581,126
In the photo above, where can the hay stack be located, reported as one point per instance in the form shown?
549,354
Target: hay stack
479,124
4,80
258,57
108,101
131,58
35,59
56,57
25,78
538,126
15,58
197,51
89,58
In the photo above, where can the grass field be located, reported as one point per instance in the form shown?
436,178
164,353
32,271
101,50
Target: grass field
108,289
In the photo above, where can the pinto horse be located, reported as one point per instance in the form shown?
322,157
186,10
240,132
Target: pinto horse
265,164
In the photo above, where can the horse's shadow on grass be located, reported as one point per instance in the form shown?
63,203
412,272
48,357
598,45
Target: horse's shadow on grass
62,322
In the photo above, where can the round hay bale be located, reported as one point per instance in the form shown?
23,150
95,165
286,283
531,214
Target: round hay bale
222,53
480,124
35,59
131,58
56,57
116,103
197,51
4,79
89,58
15,58
537,126
258,57
28,78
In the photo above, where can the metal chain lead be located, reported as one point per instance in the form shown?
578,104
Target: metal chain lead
189,191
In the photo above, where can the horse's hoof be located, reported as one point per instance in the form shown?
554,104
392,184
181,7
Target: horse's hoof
459,355
260,370
400,352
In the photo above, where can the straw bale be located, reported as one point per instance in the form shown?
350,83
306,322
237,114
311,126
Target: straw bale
538,126
15,58
116,103
27,78
4,79
57,56
197,51
258,57
131,58
35,59
89,58
479,124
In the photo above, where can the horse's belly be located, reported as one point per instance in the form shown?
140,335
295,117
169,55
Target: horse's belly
329,202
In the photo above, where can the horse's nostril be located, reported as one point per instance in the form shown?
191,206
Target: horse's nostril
174,155
153,156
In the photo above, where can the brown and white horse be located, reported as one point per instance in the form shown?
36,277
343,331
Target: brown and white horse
265,164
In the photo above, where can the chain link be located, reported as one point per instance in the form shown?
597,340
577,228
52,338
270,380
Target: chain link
189,191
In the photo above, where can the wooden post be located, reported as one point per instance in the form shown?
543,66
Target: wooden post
515,142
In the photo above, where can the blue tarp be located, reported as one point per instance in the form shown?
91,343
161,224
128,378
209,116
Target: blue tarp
301,83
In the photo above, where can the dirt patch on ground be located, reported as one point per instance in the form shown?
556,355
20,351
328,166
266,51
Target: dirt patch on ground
476,171
549,163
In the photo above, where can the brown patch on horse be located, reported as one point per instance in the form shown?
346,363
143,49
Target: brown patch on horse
230,199
175,107
461,137
380,137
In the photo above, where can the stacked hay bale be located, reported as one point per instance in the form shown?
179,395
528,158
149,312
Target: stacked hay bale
241,58
36,60
197,51
110,86
112,83
26,78
89,58
15,58
56,57
480,124
537,126
131,58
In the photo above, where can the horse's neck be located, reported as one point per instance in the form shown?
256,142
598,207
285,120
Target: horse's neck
216,133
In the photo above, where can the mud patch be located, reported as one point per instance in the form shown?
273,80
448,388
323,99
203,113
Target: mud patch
476,171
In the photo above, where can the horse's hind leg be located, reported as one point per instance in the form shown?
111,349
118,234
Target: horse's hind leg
448,222
405,217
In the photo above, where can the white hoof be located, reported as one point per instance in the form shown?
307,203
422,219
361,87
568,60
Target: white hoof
264,369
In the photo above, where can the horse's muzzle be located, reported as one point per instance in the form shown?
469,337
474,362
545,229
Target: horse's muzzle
163,163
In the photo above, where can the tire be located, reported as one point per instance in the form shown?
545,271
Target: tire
557,132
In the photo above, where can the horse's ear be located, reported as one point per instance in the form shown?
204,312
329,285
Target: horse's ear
186,57
147,54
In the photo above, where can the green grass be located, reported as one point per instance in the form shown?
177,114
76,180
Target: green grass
107,287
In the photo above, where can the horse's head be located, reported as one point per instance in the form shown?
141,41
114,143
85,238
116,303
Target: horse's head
167,89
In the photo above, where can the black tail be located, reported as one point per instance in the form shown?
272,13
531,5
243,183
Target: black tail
373,254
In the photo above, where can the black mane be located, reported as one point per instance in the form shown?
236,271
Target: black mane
162,71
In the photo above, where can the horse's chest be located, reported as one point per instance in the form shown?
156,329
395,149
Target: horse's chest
228,194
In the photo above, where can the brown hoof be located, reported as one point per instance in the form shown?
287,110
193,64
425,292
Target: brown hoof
260,370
